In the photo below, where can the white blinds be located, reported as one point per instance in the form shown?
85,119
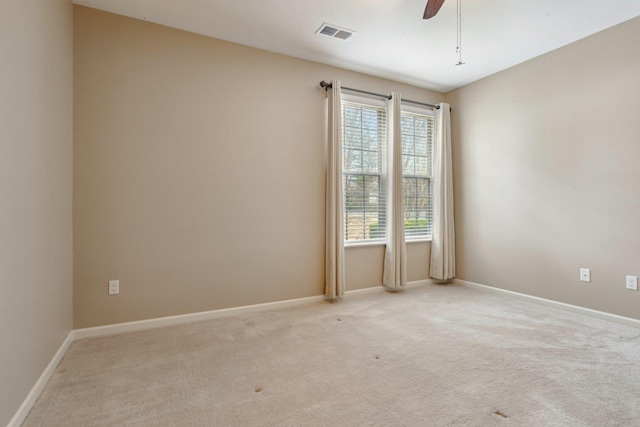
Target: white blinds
417,153
364,144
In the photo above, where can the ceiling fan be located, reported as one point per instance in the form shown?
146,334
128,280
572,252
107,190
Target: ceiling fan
433,6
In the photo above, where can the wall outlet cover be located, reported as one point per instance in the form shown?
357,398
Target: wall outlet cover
114,287
632,283
585,275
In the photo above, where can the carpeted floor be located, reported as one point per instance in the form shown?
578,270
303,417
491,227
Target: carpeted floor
429,356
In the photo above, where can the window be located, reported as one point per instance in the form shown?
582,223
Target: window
364,141
364,135
417,143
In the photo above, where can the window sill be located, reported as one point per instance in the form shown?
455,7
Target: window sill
357,243
421,239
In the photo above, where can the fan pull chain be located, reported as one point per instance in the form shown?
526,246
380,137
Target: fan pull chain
459,33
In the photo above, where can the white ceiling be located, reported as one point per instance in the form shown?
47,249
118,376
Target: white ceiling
392,39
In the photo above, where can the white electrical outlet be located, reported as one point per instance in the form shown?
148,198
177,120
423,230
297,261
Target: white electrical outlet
632,283
114,287
585,275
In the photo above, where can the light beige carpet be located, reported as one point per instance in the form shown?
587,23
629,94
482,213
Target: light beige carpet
429,356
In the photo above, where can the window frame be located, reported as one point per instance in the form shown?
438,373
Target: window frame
378,104
424,111
384,174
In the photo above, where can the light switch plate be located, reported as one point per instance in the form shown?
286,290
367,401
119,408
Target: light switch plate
114,287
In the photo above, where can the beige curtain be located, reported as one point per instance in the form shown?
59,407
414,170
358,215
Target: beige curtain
395,256
334,238
443,254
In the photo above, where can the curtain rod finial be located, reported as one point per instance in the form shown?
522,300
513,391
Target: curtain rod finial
325,85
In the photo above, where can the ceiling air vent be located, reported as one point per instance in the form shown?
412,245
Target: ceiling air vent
335,32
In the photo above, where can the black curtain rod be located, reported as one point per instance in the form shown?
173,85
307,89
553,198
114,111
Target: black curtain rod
326,86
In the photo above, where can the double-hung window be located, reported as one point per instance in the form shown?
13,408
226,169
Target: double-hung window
364,141
417,145
364,137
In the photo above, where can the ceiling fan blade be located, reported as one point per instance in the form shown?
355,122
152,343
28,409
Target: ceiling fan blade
433,6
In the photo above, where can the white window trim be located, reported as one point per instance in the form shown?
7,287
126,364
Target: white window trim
416,239
365,100
378,103
369,242
425,111
416,109
381,103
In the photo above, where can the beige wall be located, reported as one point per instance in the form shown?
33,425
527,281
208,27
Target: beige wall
547,177
35,191
199,173
364,264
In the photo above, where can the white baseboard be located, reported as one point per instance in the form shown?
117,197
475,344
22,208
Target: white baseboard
141,325
382,288
159,322
555,304
33,395
364,291
420,283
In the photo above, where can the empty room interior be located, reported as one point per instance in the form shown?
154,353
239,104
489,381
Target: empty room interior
401,212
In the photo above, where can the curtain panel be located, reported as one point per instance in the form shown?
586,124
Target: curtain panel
395,256
334,219
443,262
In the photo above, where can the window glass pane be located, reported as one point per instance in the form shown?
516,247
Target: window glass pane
354,192
409,186
352,160
421,125
408,144
364,139
422,207
352,117
353,222
352,138
423,187
370,161
421,166
372,190
370,139
417,135
369,119
408,167
406,122
375,215
422,147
